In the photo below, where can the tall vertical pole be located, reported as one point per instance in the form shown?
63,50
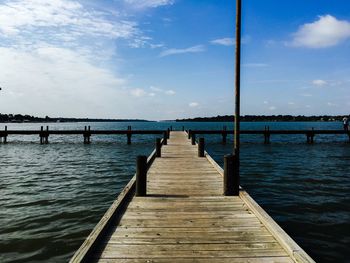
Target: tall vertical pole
237,84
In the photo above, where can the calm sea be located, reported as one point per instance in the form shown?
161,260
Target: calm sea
51,196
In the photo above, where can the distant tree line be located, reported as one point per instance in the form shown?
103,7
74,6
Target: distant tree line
263,118
29,118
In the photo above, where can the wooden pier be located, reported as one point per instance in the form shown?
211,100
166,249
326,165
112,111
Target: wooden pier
86,133
184,217
309,134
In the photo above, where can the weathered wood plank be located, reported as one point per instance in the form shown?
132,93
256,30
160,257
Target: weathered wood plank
185,217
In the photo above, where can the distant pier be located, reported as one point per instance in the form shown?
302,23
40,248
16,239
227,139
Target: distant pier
44,133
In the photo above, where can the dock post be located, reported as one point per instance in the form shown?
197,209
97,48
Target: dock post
189,134
47,135
84,134
231,176
158,148
87,135
224,135
193,138
201,146
267,135
129,135
41,135
165,138
349,135
312,135
5,135
141,175
183,128
168,135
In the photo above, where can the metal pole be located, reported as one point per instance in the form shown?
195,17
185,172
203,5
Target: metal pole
237,82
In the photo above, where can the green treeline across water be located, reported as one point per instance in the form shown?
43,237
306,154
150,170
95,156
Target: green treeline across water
28,118
263,118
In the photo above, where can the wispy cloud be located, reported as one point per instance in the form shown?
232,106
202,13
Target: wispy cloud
327,31
162,91
175,51
319,83
227,41
140,4
193,104
60,19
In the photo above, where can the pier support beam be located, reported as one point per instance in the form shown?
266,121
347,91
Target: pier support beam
4,137
193,139
231,175
201,147
310,136
165,138
189,134
267,135
168,133
141,175
128,135
87,135
44,135
158,148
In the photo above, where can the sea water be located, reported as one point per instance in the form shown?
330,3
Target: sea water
51,196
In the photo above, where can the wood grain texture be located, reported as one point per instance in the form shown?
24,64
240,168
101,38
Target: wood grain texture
185,217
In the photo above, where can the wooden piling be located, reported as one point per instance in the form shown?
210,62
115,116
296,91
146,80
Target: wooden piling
231,175
165,138
128,135
158,148
5,135
47,135
193,139
201,147
141,175
168,135
189,134
267,135
41,134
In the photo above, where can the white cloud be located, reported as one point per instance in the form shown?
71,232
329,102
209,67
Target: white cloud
319,83
272,108
227,41
158,90
330,104
174,51
266,102
327,31
58,82
148,3
193,104
65,20
291,103
170,92
138,92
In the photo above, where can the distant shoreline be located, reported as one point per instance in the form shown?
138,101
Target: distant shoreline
19,118
266,118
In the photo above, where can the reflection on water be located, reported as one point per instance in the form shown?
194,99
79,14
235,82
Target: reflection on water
53,195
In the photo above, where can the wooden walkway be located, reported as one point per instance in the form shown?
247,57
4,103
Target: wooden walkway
185,218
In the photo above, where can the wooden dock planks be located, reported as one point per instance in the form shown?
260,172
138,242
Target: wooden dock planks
185,218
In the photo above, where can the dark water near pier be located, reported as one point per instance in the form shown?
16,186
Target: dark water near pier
51,196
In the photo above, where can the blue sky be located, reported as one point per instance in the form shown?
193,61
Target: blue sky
166,59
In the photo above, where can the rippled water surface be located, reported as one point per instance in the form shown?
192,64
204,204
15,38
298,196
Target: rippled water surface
51,196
